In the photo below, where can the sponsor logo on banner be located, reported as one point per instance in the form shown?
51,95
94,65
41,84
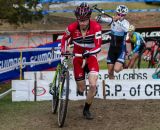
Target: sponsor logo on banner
132,89
151,34
40,91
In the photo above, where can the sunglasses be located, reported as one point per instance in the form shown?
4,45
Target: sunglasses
122,15
83,20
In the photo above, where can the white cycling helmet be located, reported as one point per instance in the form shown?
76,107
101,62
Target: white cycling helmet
122,9
131,28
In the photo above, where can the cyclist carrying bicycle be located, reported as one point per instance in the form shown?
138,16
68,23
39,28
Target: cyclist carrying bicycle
86,37
137,44
117,49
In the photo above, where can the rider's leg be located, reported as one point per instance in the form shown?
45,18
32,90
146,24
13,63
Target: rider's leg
93,69
110,71
119,64
80,87
79,75
92,78
118,67
133,60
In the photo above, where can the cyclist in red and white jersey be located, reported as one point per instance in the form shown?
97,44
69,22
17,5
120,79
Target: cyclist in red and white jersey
86,37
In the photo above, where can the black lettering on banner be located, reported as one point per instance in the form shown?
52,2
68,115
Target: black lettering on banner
106,76
138,89
148,86
125,75
100,76
131,76
135,91
132,91
139,76
117,76
144,75
118,88
107,90
97,94
156,89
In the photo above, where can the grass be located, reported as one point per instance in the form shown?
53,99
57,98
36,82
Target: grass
107,6
21,115
5,86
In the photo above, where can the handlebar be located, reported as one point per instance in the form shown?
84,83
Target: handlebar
77,55
56,50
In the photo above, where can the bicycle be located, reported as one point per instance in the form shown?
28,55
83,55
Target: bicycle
59,88
151,61
156,74
101,12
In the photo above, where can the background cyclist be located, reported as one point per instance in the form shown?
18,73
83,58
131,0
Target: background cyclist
137,44
117,49
86,37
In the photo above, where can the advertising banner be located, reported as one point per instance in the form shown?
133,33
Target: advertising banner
12,62
126,74
132,89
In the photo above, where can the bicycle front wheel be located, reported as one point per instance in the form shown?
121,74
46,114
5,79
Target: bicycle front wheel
63,99
55,96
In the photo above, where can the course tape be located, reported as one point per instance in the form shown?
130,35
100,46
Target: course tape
112,11
61,1
27,50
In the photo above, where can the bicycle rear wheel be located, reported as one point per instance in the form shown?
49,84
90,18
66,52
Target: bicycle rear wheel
63,99
142,63
55,96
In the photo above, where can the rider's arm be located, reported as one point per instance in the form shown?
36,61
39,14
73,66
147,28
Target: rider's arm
97,40
65,37
105,19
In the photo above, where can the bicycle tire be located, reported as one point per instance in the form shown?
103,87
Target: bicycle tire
63,99
55,97
142,63
155,59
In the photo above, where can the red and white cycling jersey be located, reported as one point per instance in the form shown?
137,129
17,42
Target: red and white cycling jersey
91,42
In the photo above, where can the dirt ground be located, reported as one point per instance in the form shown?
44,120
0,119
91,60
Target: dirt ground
108,115
115,115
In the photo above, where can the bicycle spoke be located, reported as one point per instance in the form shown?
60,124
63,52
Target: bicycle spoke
63,100
55,93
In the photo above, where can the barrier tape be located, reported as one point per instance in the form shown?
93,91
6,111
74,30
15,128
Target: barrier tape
27,50
112,11
60,1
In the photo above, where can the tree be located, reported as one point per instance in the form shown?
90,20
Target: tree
15,11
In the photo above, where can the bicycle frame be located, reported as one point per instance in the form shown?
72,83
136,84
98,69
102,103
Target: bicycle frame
60,100
152,62
102,12
61,89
